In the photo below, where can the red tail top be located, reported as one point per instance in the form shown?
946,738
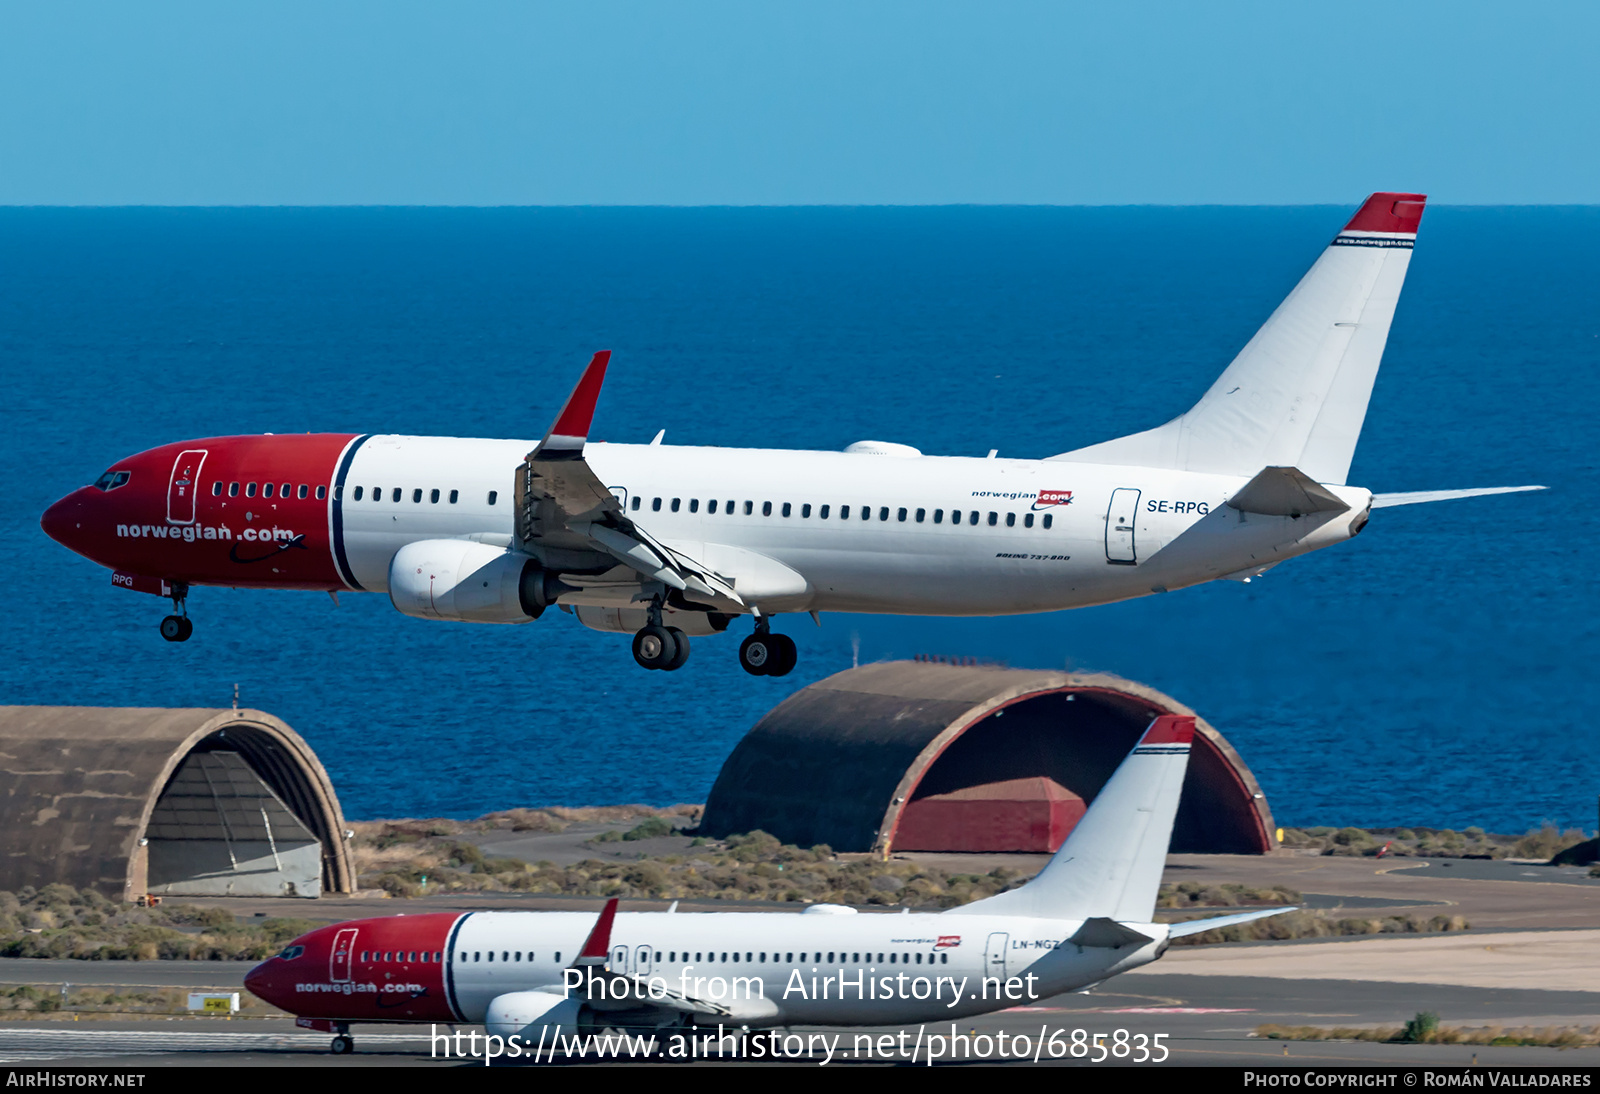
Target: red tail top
1389,213
1170,729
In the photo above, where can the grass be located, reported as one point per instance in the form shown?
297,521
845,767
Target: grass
1425,1029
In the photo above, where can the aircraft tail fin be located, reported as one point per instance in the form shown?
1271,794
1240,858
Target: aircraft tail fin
1297,394
1111,864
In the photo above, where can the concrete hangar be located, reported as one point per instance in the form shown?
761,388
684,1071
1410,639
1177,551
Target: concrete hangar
923,756
132,801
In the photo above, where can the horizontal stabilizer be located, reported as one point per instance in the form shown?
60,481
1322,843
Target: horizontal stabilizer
1200,926
1107,934
1417,497
1286,492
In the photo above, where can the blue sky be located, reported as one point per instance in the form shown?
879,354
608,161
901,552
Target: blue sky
766,103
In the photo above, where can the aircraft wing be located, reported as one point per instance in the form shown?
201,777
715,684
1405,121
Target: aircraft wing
561,505
606,990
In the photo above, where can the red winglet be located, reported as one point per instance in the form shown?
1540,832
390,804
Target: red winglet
1389,213
599,942
1170,729
572,424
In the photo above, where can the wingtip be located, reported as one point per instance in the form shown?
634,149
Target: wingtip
1389,212
1170,729
598,944
572,424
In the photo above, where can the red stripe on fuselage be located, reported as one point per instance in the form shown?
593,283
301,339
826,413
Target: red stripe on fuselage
233,538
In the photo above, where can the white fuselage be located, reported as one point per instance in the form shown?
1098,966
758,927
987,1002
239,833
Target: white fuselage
778,969
854,532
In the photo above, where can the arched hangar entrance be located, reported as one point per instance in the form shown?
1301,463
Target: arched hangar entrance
921,756
136,801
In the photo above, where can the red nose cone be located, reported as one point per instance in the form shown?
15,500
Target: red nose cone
258,982
64,521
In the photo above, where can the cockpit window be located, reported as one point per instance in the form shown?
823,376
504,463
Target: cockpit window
292,952
111,480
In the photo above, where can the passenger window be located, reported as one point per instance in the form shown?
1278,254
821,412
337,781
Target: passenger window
994,519
786,508
655,505
728,507
901,515
433,497
1011,520
972,518
883,512
805,510
357,495
711,506
694,505
493,496
233,490
491,955
922,515
283,493
250,490
397,493
637,501
749,507
866,512
844,512
377,493
416,497
454,494
216,489
675,503
766,508
266,490
1047,519
303,491
823,512
1027,520
322,492
938,516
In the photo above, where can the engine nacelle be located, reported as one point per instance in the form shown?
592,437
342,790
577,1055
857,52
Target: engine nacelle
468,582
530,1013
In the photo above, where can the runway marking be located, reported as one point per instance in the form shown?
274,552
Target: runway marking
23,1045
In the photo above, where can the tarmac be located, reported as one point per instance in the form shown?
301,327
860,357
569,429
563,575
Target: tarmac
1530,959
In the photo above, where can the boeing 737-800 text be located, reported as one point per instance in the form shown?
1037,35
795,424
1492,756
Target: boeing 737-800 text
666,542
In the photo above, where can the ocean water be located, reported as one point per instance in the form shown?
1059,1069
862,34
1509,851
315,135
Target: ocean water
1437,670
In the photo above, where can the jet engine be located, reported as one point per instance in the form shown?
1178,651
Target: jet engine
524,1013
469,582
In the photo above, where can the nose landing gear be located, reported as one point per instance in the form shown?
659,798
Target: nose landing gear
767,654
343,1043
176,627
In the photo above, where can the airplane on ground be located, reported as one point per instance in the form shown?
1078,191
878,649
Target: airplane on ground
666,542
1085,917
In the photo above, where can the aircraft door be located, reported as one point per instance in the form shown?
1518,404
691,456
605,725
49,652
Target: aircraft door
183,486
621,494
344,946
641,961
1120,517
619,960
994,961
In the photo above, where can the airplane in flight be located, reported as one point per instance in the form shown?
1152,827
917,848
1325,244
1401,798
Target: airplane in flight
667,542
1087,916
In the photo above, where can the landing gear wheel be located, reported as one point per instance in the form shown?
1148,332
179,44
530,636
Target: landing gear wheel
342,1045
681,653
655,647
784,655
176,628
756,654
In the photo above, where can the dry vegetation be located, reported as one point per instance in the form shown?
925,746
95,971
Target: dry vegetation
59,921
1424,1029
29,1000
1543,844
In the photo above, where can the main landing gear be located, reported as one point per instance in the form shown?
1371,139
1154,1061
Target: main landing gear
176,627
768,654
659,647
